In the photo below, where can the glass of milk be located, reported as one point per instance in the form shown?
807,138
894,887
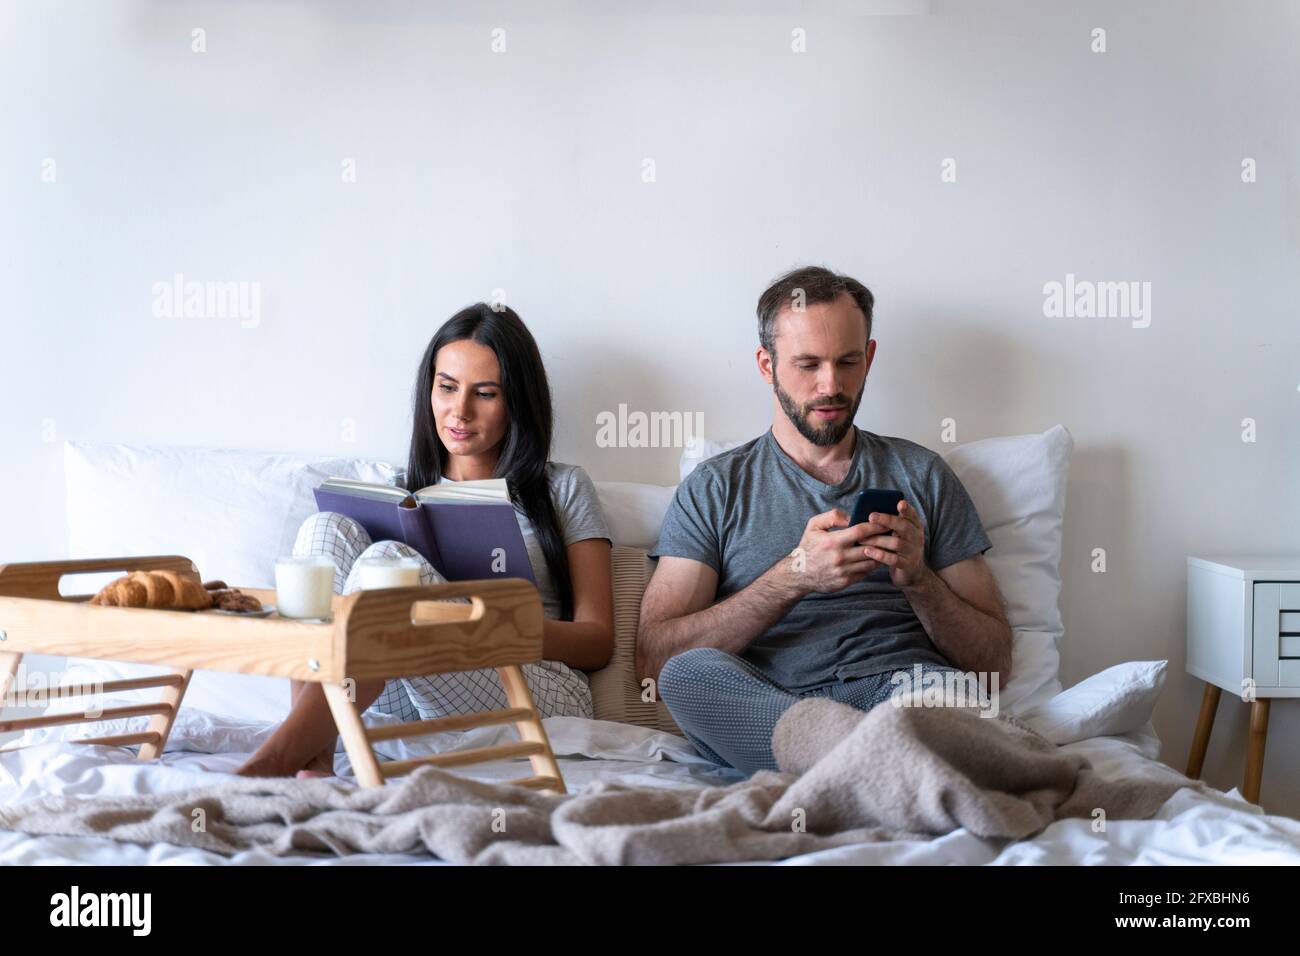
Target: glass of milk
304,587
380,572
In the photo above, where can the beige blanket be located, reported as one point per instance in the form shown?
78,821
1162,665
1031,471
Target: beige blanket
847,777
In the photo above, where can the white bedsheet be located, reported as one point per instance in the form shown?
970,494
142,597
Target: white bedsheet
1190,827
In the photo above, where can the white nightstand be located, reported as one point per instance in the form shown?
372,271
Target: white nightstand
1243,636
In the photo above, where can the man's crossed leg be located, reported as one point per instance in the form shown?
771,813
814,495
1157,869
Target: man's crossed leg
728,708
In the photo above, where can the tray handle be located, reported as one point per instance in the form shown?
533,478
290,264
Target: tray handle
40,579
416,630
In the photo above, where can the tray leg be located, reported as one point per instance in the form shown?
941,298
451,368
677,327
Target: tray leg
530,729
364,763
9,662
161,724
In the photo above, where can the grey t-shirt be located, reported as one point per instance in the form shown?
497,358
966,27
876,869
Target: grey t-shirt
580,517
742,511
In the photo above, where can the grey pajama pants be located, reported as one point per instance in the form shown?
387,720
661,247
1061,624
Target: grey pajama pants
558,690
728,708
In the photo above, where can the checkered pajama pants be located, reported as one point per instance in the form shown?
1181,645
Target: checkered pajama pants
558,691
728,709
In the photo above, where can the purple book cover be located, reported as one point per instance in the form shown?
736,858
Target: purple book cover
466,541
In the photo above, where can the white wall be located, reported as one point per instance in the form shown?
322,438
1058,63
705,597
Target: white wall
522,170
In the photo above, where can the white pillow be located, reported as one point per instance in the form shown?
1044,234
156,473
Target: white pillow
233,512
634,511
1018,487
1118,700
1035,670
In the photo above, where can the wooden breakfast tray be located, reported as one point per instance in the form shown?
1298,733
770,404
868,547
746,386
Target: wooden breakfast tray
392,632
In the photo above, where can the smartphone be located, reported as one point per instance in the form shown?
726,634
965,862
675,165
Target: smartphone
882,500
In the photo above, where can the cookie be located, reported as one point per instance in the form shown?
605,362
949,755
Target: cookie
232,600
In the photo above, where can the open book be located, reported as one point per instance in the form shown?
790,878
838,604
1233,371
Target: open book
466,529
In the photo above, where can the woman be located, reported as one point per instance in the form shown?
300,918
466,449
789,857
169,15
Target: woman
482,409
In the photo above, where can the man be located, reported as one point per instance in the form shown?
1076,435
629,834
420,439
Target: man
763,594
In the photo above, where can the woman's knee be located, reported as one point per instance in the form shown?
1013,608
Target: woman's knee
317,530
390,549
328,519
398,549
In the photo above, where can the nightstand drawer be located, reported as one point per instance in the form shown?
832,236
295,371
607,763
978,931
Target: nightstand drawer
1277,634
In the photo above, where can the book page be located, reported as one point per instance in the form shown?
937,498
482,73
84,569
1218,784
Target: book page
365,489
483,491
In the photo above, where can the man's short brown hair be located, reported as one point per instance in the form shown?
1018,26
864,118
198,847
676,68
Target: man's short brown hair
818,284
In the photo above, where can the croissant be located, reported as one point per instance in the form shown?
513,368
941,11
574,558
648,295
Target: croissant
157,589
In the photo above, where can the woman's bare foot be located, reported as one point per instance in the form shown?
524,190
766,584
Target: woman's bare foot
321,765
261,767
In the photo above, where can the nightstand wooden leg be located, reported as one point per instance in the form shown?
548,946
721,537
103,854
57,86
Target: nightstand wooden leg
1255,750
1204,724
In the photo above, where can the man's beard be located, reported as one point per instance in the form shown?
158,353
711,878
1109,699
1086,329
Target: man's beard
824,435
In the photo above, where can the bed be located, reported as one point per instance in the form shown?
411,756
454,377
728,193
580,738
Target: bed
1017,483
1191,828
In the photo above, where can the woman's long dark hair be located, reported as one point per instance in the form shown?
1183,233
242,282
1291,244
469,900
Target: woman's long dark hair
527,444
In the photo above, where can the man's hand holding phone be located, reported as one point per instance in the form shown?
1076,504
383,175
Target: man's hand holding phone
899,545
831,553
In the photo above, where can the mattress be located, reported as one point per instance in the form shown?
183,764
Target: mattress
1191,827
